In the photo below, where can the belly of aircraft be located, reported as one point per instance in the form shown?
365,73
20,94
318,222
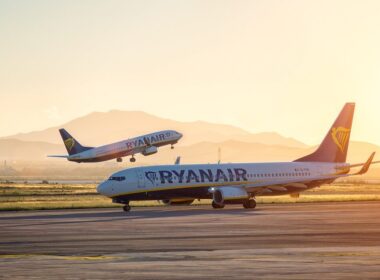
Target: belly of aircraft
199,192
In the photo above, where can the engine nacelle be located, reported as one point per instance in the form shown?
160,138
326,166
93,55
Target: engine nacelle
177,201
229,195
149,151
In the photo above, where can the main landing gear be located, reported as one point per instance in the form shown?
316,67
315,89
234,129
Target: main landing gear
126,208
172,146
217,206
132,159
119,159
249,204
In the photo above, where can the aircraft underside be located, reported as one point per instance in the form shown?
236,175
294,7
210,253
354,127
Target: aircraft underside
190,194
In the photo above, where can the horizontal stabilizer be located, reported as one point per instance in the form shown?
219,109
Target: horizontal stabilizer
58,156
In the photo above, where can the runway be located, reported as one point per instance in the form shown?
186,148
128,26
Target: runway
294,241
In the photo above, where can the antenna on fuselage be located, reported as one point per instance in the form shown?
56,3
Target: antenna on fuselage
219,155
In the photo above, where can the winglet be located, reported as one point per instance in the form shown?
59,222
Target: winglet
366,165
177,161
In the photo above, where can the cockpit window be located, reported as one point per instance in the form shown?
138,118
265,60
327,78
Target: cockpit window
117,178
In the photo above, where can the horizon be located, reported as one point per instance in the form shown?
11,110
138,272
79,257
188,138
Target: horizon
9,137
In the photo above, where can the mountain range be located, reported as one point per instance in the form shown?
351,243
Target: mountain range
200,143
100,128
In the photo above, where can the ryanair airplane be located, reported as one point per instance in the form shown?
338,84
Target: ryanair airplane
145,144
239,183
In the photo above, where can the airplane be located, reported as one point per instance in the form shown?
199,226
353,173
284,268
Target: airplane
239,183
146,144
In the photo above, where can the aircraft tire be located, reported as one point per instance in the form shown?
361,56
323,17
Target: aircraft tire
249,204
132,159
217,206
126,208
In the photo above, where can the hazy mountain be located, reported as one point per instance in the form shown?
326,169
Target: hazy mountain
203,152
27,150
103,128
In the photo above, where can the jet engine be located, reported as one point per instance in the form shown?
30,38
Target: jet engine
177,201
149,151
229,195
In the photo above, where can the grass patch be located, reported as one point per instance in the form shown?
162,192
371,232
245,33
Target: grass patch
66,196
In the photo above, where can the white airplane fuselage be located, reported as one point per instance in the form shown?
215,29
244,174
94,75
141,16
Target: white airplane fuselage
128,147
200,180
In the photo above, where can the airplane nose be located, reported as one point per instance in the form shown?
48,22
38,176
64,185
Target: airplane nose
101,188
179,135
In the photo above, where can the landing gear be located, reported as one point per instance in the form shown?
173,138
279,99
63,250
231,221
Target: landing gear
172,147
249,204
119,159
217,206
132,159
126,208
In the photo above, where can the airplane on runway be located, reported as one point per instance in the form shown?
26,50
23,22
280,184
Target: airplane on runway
239,183
146,144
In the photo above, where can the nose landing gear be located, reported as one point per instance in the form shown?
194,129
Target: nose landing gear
172,146
126,208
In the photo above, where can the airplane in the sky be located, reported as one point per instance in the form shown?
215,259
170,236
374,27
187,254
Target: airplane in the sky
146,144
239,183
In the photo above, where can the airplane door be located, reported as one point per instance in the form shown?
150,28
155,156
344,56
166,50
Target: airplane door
140,180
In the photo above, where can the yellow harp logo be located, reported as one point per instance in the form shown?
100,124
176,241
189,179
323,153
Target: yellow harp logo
340,137
69,143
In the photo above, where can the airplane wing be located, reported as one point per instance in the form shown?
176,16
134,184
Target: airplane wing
147,142
278,188
302,185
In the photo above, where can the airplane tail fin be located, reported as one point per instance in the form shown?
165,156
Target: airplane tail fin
335,145
71,144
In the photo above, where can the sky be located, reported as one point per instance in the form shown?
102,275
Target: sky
283,66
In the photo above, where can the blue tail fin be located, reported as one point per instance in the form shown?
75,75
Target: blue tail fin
72,145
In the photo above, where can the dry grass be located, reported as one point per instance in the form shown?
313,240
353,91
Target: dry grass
62,196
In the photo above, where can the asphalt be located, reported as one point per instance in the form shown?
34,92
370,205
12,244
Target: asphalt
295,241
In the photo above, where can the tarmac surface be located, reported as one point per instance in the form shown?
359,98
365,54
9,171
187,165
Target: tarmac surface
289,241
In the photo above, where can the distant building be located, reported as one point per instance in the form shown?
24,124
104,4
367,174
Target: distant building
6,170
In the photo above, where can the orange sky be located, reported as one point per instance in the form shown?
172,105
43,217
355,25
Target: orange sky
285,66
